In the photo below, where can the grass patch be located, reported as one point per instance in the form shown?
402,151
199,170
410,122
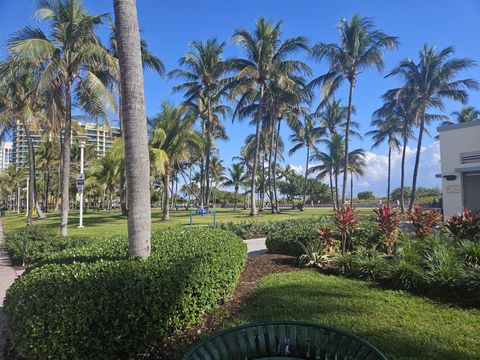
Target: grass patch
103,223
401,325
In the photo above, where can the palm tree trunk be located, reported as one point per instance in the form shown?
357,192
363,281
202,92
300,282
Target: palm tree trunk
122,188
47,186
336,190
331,191
270,172
351,189
202,181
347,131
417,161
253,207
166,191
389,174
235,204
137,162
65,172
277,140
402,176
305,180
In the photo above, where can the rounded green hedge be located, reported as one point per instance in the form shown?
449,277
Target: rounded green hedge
285,241
95,302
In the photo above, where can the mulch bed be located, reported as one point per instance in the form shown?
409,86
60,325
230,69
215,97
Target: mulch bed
256,268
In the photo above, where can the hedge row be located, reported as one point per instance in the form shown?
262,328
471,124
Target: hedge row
94,302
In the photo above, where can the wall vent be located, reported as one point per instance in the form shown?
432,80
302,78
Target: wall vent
470,157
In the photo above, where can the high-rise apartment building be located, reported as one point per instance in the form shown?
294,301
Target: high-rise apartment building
5,154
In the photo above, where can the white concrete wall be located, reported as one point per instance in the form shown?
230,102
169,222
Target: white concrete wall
453,142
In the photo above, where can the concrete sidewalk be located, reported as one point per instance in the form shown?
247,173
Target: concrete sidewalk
255,246
7,277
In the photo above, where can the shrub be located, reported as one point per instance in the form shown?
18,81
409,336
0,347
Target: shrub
31,244
470,252
387,220
81,304
346,220
367,236
368,265
314,254
465,225
285,239
345,263
406,275
443,267
423,220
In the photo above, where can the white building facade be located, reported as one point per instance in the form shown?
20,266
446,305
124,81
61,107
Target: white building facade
460,162
6,149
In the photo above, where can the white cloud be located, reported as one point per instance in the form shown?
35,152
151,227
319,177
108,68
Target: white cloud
297,168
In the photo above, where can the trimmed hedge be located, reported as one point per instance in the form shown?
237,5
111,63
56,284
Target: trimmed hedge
35,243
285,240
95,302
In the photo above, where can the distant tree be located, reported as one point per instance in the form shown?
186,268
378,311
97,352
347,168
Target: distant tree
365,195
291,187
317,191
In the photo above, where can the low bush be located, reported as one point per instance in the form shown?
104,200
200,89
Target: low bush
469,252
95,302
286,240
370,266
423,220
32,244
465,225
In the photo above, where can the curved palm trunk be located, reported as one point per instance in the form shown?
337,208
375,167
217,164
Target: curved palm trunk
402,176
253,207
166,196
417,161
65,171
47,186
347,131
305,181
336,190
331,190
351,189
137,162
389,174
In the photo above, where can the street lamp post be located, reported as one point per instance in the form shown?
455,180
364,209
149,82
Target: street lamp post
80,181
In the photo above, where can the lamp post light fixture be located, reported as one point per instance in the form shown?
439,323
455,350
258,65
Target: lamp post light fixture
81,180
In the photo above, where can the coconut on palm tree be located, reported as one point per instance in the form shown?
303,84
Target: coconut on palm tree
361,46
432,79
267,60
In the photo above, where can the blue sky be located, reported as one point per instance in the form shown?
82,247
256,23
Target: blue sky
169,26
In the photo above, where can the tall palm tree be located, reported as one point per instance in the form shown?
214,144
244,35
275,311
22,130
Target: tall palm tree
306,134
71,59
45,157
172,137
105,172
466,114
267,60
356,167
361,46
150,61
333,117
330,164
433,78
137,162
235,178
386,130
204,71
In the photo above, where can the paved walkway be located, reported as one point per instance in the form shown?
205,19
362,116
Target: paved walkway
7,277
256,246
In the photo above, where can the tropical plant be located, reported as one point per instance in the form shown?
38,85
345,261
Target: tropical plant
346,220
361,46
314,254
267,61
466,114
236,176
465,225
306,134
356,167
423,220
387,219
137,164
432,79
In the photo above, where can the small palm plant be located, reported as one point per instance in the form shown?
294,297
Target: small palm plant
387,219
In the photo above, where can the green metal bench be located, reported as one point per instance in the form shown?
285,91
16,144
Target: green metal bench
283,339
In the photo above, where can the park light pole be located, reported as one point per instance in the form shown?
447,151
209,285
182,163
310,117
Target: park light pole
81,181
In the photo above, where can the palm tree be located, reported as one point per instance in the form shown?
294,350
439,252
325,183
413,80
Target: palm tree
172,137
356,168
266,61
333,117
330,164
236,176
150,61
105,172
306,134
361,46
466,114
71,60
45,157
433,79
137,162
387,130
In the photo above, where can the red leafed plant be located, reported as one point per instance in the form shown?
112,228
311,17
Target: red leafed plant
423,220
326,235
347,221
387,219
465,225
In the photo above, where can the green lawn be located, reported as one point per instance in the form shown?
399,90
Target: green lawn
401,325
105,223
